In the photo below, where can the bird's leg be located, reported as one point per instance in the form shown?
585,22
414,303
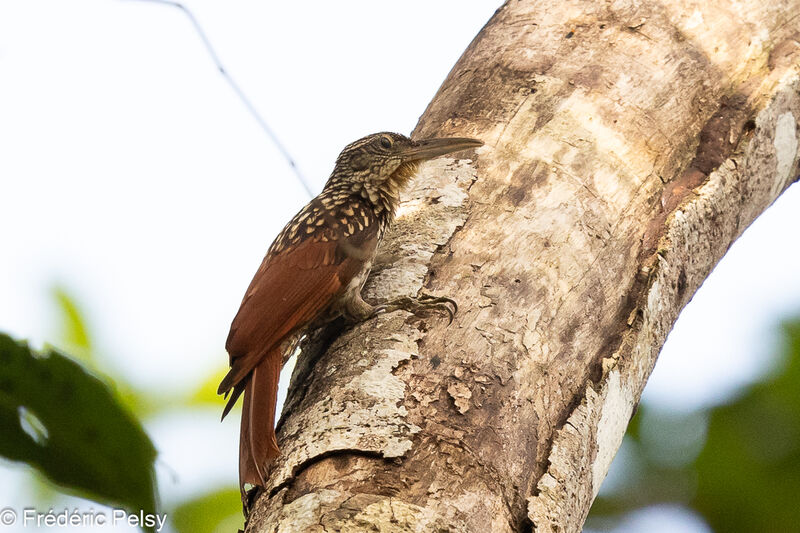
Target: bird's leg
357,310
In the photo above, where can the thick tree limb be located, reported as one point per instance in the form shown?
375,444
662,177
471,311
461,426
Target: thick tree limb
627,145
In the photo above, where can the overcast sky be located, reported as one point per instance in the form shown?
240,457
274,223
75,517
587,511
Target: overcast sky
133,176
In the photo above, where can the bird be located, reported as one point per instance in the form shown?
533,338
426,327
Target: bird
314,272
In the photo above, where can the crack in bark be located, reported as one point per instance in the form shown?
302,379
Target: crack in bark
305,465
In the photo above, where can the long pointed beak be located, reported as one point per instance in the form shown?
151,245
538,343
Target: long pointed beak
430,148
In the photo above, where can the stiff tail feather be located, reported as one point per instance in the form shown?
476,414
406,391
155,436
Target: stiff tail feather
257,443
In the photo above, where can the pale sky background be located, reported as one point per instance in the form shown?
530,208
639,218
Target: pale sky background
133,176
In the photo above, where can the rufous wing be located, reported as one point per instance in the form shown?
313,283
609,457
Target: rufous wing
289,290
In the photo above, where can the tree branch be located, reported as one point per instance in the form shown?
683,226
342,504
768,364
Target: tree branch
627,146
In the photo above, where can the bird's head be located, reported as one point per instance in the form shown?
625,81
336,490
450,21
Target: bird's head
383,163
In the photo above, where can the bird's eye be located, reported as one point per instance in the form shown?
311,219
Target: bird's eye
386,142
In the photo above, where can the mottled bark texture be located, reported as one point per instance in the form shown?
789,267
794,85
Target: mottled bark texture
628,143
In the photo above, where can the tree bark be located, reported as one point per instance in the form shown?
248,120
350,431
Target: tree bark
628,144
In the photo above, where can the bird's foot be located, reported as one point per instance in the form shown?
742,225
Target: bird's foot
425,304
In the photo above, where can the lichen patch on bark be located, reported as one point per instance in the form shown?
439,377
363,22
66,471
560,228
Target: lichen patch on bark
363,413
429,215
329,511
785,144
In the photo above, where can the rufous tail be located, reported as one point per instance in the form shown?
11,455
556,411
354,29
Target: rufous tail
257,443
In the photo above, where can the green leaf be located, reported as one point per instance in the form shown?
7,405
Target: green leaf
67,423
74,331
219,511
205,395
749,470
75,337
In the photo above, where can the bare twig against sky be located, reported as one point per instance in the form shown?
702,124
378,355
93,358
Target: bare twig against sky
235,86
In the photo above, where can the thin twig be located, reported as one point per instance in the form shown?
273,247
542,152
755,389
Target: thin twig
235,86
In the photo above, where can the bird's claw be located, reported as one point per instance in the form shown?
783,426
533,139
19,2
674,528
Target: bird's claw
441,303
424,303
